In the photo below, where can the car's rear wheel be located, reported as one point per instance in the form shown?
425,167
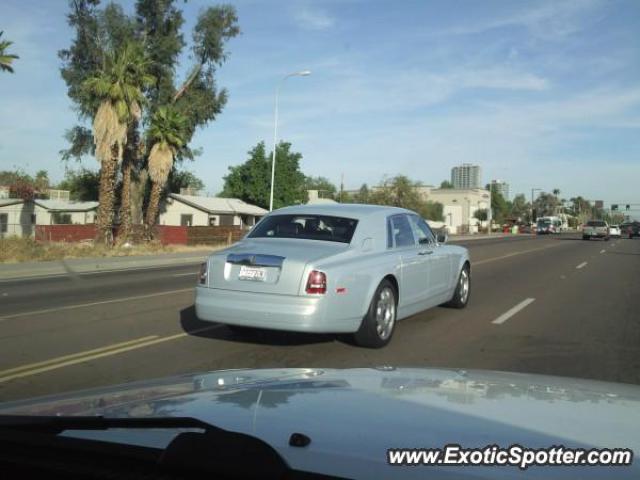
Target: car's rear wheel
463,289
585,237
379,323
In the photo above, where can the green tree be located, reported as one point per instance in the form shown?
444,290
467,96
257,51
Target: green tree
251,181
322,184
118,85
546,204
166,135
179,179
83,184
400,191
481,214
363,194
499,206
157,25
520,208
446,184
6,58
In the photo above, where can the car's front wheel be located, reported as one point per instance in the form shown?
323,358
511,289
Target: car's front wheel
379,323
463,289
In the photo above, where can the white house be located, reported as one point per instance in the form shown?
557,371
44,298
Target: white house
459,205
19,217
191,210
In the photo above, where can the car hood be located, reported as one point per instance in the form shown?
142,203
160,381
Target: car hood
353,416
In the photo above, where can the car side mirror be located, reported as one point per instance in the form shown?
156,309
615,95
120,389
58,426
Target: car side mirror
442,237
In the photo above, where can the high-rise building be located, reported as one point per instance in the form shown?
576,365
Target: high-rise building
466,176
501,187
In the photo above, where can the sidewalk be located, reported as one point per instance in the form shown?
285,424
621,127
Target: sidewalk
12,271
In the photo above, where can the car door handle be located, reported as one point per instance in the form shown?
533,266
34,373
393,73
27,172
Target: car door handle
425,252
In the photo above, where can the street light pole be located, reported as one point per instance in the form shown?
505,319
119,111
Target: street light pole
533,190
302,73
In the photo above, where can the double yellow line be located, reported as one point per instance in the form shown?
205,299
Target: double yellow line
88,355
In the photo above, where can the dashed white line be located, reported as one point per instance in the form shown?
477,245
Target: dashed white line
583,264
512,311
602,251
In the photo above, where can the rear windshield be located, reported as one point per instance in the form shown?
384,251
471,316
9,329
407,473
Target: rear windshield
307,227
594,223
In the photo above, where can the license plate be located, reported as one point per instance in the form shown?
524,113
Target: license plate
255,274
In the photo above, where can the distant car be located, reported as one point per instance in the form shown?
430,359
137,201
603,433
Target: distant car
614,231
333,269
595,229
546,225
633,230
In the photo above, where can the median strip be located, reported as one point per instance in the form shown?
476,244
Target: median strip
82,357
512,311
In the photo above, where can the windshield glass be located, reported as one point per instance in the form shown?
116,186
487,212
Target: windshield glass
306,227
595,223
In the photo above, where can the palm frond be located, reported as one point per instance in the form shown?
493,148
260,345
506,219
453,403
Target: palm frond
160,162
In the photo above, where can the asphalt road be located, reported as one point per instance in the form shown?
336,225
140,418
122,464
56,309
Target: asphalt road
553,305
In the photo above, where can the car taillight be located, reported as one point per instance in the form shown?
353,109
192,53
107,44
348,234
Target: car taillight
202,275
317,282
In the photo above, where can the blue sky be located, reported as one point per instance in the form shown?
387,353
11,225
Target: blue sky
541,94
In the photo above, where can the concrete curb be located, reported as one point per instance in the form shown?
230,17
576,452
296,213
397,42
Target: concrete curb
18,271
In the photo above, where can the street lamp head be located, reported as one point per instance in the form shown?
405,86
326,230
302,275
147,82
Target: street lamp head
303,73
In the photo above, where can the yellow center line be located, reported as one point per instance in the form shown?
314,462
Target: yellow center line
82,357
92,304
74,355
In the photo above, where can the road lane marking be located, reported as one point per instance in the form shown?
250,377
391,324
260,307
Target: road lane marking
509,255
109,352
30,366
583,264
512,311
92,304
183,274
602,251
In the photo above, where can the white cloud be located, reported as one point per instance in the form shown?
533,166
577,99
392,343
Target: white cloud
551,20
310,17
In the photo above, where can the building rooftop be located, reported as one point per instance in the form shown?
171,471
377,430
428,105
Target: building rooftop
220,204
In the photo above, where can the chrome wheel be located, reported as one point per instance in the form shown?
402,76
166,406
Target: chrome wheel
385,313
464,286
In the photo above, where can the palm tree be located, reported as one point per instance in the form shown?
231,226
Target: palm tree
6,59
166,135
118,87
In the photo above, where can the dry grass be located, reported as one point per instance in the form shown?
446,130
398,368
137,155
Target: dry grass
16,250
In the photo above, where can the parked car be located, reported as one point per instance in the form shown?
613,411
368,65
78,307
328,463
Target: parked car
614,231
633,229
595,229
333,269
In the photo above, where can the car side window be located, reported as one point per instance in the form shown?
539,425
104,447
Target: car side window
421,230
401,230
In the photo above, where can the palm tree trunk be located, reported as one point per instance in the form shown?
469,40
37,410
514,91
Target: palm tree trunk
152,208
125,200
108,173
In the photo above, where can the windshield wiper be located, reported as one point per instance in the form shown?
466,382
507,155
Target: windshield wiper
215,450
58,424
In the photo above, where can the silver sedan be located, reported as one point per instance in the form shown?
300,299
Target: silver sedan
337,268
